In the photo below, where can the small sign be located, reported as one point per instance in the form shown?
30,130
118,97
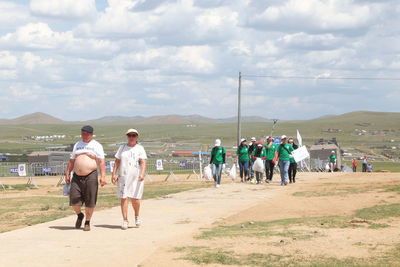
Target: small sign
46,170
300,154
13,170
159,165
22,169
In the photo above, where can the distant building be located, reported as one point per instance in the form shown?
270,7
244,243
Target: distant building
320,152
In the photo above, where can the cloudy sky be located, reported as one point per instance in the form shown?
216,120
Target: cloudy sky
85,59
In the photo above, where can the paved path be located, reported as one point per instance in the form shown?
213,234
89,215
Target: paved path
57,243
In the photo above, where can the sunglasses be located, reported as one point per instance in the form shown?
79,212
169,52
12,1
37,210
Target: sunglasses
132,135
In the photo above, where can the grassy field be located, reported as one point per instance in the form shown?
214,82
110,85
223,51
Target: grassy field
203,135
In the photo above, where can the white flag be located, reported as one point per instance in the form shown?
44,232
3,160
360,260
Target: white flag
299,139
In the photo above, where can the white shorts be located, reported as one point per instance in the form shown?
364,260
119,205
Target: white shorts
129,187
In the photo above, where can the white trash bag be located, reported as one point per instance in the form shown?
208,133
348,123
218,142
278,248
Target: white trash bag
208,172
258,165
327,167
232,172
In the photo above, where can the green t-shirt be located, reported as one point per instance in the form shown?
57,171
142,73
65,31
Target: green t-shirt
259,154
270,151
332,158
284,154
218,152
243,153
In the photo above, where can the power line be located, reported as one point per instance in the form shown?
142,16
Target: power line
321,78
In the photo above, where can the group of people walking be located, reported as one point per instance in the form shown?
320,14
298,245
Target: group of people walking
128,173
257,158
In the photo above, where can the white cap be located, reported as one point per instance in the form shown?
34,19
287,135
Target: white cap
132,131
217,142
242,140
333,151
260,145
267,137
284,137
253,139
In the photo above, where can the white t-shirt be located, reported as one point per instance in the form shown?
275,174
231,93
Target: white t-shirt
129,157
93,147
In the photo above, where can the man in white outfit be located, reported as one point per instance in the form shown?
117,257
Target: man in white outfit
87,155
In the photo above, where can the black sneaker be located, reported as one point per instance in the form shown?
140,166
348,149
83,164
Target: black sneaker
79,220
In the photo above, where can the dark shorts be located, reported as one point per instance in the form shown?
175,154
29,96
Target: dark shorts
84,190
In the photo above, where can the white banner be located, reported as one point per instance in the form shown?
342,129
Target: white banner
300,154
22,169
159,165
299,138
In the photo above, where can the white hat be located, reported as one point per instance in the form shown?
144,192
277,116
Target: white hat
267,137
242,140
284,137
333,151
260,145
132,131
253,139
217,142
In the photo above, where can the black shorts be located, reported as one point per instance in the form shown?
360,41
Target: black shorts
84,190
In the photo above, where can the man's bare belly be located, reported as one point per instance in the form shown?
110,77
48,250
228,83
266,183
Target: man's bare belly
84,165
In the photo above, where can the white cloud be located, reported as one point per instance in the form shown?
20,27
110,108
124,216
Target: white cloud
163,96
66,9
31,61
138,55
39,36
36,36
315,16
12,15
7,60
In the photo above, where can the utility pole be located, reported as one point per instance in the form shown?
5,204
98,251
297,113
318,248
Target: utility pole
239,109
273,126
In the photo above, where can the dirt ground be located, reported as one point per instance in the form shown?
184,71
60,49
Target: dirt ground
176,221
340,194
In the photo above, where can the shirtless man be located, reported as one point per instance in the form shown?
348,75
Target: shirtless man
86,156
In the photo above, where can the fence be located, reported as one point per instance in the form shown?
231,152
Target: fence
168,166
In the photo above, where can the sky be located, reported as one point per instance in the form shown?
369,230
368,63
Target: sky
80,60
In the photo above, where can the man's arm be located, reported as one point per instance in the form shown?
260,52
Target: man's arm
102,164
69,170
142,163
276,156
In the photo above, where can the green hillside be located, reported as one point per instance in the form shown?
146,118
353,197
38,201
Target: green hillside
373,129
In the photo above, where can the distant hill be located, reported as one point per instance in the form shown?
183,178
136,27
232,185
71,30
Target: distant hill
351,118
43,118
372,117
113,120
34,118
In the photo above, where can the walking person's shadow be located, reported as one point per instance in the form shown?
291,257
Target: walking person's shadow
63,228
108,226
